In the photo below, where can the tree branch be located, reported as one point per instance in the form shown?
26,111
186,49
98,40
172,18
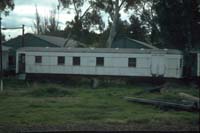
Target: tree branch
121,4
85,12
75,8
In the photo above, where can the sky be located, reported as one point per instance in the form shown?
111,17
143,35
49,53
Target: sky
24,13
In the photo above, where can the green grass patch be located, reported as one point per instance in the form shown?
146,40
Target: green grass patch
49,103
49,92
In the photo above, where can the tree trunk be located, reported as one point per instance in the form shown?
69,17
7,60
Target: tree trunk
68,38
113,30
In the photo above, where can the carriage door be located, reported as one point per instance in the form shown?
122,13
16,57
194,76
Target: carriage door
158,65
22,63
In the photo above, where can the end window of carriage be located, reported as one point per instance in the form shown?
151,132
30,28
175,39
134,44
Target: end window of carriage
38,59
76,61
61,60
132,62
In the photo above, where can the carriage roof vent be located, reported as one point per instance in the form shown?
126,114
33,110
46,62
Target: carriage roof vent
142,49
92,48
46,47
116,48
165,49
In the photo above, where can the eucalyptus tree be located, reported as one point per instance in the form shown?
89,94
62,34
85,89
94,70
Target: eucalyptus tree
46,24
147,13
37,23
113,8
178,22
137,30
52,22
86,16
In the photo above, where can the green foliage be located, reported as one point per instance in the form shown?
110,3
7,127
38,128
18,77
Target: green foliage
83,19
6,6
149,20
109,5
135,30
113,8
92,19
178,23
46,25
165,24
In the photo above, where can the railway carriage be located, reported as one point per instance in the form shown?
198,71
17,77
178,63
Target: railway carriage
100,62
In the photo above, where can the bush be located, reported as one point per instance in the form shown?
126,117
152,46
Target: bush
50,92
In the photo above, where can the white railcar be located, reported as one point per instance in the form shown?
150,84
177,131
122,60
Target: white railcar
100,62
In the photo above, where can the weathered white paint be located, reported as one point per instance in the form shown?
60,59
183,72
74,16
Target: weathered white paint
115,64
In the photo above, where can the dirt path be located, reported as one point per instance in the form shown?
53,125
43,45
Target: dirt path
97,127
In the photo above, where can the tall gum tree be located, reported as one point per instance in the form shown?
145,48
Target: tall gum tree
47,24
113,8
85,16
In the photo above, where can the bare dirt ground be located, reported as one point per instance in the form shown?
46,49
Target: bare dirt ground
98,127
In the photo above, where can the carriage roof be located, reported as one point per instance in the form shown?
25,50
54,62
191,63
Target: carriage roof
100,50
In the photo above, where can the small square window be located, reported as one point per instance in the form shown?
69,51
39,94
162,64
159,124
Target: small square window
61,60
76,61
38,59
132,62
11,60
99,61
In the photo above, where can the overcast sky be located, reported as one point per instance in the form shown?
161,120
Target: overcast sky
24,13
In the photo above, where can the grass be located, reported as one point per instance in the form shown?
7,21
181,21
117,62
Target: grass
48,103
49,92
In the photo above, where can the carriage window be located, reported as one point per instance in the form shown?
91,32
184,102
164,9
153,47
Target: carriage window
76,61
11,60
99,61
61,60
132,62
38,59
